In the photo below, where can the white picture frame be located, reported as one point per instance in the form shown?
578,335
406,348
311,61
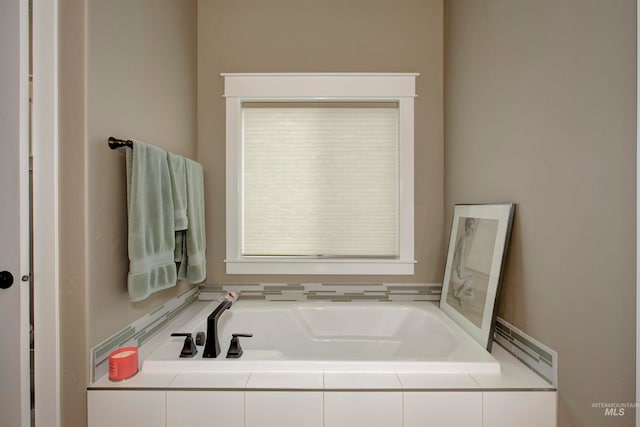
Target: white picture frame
476,256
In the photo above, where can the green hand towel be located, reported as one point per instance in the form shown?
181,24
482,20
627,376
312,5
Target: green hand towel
151,235
193,266
178,174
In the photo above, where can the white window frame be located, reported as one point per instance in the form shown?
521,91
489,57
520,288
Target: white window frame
309,87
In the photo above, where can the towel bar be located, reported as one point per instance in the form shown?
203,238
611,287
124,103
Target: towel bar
117,143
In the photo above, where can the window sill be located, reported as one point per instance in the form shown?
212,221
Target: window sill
320,266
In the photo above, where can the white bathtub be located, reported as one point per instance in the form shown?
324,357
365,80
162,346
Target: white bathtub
331,337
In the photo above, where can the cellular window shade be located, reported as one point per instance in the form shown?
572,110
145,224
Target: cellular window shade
320,180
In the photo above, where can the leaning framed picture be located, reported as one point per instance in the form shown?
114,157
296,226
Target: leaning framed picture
476,256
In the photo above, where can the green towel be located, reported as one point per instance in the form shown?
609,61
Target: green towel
151,235
193,265
178,174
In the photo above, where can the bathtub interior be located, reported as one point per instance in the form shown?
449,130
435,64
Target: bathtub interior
332,336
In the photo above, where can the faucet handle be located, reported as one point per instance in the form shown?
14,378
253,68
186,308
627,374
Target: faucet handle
200,338
235,351
189,348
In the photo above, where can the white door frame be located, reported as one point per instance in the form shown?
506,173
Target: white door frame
14,185
45,212
637,399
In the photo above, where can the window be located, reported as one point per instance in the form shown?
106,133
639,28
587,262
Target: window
319,173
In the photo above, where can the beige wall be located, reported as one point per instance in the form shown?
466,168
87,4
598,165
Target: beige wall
540,110
127,69
141,68
324,36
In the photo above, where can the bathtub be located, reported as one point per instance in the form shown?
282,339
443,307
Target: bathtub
330,337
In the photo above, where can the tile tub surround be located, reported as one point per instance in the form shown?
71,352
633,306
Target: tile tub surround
327,399
534,354
142,331
531,352
514,376
325,291
330,399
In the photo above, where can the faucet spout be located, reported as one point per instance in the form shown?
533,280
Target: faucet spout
212,346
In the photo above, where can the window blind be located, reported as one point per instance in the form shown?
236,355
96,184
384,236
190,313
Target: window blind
320,180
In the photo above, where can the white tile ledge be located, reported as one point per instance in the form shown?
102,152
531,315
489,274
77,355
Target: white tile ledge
515,376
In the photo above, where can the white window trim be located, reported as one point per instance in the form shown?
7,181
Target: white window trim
254,87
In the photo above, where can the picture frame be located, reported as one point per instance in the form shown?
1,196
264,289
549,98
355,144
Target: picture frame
478,247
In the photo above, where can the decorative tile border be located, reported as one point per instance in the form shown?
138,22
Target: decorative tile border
325,291
532,353
139,331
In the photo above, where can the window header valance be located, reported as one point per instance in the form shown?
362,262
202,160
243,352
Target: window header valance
339,85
